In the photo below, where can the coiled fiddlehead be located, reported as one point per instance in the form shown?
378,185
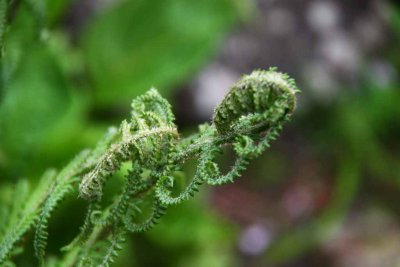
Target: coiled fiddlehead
248,119
261,98
146,139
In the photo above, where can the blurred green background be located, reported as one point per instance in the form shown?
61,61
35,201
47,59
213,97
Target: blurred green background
325,194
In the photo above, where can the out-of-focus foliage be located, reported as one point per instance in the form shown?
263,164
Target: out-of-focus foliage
139,44
204,237
34,105
358,138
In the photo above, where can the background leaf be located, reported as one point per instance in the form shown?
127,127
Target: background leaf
139,44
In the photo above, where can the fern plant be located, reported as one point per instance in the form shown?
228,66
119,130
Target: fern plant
249,118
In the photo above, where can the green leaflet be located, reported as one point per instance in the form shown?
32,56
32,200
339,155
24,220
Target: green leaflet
26,212
63,185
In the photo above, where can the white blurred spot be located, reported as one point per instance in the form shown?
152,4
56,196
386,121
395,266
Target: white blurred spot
323,16
321,81
255,239
341,52
211,87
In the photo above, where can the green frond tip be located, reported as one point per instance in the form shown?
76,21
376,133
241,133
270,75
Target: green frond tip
253,96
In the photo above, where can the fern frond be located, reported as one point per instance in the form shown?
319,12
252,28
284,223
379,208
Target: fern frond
164,194
151,128
158,211
17,199
85,230
116,241
133,188
63,186
92,159
248,119
27,215
110,162
255,95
